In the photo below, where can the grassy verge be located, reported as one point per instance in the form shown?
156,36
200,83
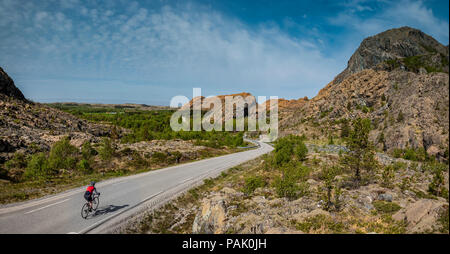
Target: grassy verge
20,191
178,215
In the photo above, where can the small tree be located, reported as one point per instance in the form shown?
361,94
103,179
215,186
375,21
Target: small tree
87,151
436,187
361,156
400,117
63,155
37,167
107,149
328,175
381,140
388,176
330,140
345,129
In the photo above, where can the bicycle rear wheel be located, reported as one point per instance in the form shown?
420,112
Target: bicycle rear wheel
95,203
85,211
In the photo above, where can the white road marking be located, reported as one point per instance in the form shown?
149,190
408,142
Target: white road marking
186,180
117,183
98,223
35,210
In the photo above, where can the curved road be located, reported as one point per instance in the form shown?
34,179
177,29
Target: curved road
61,213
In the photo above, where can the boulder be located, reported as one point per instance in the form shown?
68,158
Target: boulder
212,218
421,215
385,196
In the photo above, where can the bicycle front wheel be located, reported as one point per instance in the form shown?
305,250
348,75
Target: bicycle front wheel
95,203
85,211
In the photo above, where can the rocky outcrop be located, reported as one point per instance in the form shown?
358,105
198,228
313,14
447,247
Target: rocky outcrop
421,216
391,44
8,88
212,218
407,103
27,127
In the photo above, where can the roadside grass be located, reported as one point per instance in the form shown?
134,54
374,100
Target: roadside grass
166,219
21,191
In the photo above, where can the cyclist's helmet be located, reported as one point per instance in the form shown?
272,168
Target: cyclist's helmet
93,183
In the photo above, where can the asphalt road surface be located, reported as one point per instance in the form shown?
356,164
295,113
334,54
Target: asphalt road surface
61,213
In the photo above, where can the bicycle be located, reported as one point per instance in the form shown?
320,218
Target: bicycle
86,209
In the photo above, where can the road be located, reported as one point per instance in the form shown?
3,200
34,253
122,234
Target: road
61,213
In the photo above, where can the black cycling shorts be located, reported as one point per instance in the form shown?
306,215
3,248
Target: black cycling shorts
88,196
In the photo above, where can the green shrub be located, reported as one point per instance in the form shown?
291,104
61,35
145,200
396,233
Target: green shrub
443,220
398,165
137,161
288,147
365,109
87,151
400,117
19,160
345,129
3,173
321,221
159,157
62,155
328,175
437,185
176,156
300,151
418,154
252,183
387,176
287,185
38,167
330,140
84,167
386,207
281,158
106,150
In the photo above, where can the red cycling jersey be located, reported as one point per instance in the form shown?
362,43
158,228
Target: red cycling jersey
90,188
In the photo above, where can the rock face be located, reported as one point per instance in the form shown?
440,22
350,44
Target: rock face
8,88
391,44
27,126
209,104
212,217
406,98
421,215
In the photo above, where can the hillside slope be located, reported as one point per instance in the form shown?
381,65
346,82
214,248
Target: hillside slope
403,90
26,126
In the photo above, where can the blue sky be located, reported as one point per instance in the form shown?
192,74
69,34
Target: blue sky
149,51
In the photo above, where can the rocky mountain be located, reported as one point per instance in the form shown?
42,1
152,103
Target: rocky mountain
28,127
8,88
399,79
284,105
391,44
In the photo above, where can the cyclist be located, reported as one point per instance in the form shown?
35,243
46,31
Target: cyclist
89,192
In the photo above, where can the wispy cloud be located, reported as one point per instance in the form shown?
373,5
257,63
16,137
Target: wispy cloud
174,46
120,50
390,15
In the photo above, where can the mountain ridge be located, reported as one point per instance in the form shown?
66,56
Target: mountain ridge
405,97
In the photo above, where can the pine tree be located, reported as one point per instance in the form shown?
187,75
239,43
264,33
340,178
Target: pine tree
361,156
